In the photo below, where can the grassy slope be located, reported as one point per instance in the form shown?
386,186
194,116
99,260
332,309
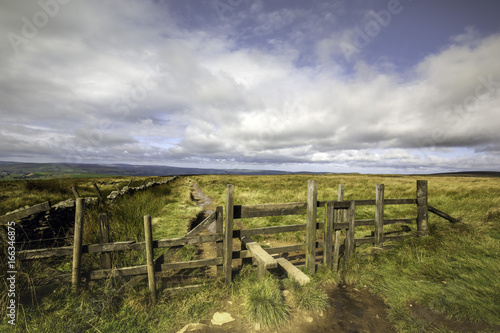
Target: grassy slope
454,271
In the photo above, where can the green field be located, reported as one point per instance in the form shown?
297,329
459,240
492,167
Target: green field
453,272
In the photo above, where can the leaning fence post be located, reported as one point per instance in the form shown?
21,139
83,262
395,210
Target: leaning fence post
312,205
148,235
77,244
350,231
104,228
219,229
228,235
379,215
422,208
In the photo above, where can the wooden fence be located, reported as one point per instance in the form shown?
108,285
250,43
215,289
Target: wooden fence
339,215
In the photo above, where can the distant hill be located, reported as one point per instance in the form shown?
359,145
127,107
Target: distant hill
18,170
469,174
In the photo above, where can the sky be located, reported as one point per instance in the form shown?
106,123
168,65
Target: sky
369,86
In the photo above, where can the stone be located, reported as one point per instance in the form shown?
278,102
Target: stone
221,318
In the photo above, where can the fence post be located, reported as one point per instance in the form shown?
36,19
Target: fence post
329,235
422,208
219,229
379,215
312,206
77,244
339,217
104,228
350,232
228,235
148,235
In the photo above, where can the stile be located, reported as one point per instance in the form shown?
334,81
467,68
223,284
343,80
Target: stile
148,238
77,245
312,202
379,215
104,229
228,233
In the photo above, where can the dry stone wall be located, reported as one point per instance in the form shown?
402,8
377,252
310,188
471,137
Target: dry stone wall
54,227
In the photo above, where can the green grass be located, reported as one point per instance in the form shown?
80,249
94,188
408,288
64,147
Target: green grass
453,271
262,299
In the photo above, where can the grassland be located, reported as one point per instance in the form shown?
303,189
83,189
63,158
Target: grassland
454,271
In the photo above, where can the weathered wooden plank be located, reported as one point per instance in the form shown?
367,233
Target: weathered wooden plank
359,223
35,209
400,202
219,229
189,240
312,202
379,214
116,272
202,226
293,272
189,264
228,234
45,253
328,255
339,217
263,258
279,209
77,245
350,232
269,230
442,214
117,246
394,221
422,208
364,240
148,235
271,250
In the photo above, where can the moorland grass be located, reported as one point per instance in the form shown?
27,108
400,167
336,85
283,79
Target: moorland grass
453,271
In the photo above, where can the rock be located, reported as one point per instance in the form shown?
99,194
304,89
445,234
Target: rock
286,293
221,318
192,328
257,327
309,319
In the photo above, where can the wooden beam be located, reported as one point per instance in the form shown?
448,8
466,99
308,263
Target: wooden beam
379,215
270,230
15,216
219,229
442,214
350,232
422,208
77,245
259,254
328,255
312,204
293,272
228,234
279,209
148,235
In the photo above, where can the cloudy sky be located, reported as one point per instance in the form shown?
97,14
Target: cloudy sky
375,86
